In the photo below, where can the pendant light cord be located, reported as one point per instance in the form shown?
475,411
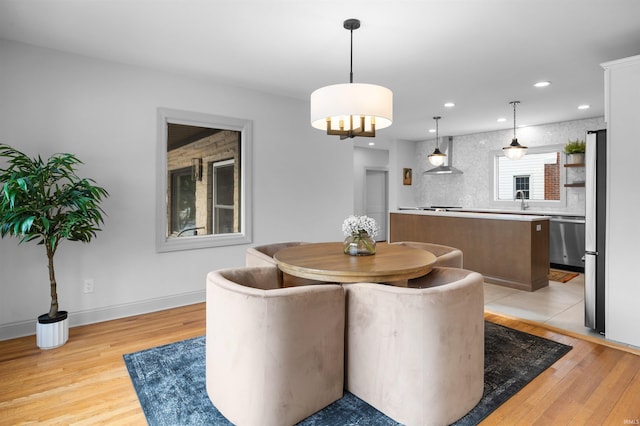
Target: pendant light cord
514,118
351,24
351,58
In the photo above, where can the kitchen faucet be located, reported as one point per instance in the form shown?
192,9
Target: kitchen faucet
523,205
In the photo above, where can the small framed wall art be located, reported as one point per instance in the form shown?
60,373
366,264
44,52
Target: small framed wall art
406,176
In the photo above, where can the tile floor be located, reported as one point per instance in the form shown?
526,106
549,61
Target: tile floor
560,305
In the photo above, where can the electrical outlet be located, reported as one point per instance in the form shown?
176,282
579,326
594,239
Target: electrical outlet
88,286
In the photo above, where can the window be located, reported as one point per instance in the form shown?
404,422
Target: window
224,189
183,203
521,183
200,206
537,174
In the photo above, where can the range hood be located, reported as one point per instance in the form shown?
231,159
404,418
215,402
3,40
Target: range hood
447,168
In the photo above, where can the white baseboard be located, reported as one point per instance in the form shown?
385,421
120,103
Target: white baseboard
27,328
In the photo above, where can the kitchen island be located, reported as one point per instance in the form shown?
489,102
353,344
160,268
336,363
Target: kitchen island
511,250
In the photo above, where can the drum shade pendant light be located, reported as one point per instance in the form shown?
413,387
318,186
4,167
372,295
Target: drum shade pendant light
353,109
437,158
515,151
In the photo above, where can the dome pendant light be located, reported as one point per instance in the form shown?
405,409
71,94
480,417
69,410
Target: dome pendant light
351,110
515,151
437,158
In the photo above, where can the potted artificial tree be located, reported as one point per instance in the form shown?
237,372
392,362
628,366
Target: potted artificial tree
575,151
47,202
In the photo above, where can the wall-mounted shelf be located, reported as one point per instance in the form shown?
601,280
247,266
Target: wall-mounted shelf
574,184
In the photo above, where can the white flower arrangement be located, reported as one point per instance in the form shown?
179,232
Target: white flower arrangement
355,225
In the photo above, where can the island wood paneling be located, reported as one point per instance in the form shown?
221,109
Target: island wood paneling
512,253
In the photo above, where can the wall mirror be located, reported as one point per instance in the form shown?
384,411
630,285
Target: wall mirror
537,174
204,180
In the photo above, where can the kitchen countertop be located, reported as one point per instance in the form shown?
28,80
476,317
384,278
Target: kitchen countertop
477,214
525,212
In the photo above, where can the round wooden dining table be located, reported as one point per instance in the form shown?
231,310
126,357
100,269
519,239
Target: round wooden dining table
327,262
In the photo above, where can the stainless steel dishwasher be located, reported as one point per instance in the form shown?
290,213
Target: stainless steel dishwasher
566,241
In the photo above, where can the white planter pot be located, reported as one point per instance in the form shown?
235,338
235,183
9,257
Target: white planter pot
575,158
52,332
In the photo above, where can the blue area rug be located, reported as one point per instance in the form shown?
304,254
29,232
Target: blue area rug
170,381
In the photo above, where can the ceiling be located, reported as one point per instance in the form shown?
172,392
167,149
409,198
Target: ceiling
479,54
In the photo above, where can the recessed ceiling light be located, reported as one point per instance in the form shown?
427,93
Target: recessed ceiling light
449,105
501,120
432,130
372,143
542,84
584,106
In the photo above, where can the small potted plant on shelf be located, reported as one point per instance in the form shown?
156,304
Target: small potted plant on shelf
575,151
47,202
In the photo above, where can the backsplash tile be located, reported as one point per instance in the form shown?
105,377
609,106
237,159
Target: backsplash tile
473,155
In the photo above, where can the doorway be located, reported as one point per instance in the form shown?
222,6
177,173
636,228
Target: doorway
376,187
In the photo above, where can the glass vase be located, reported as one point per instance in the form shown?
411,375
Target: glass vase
359,245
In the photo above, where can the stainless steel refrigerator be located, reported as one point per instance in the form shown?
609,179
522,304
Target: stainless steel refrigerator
595,218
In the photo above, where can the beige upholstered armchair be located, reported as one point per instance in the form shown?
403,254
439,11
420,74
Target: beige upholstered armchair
274,355
263,256
417,354
446,256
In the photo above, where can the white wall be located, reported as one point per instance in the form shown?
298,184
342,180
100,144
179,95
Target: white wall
403,155
622,310
105,113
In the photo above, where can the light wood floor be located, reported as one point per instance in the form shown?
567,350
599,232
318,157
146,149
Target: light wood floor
86,381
